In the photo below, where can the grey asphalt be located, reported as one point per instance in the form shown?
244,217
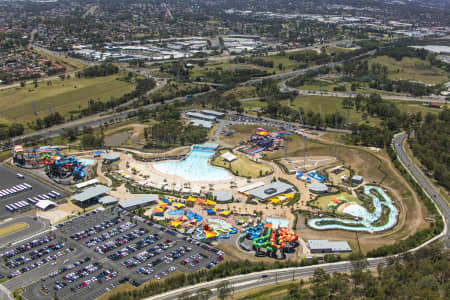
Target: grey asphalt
35,226
423,181
9,179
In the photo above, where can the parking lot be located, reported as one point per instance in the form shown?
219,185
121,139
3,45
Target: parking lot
91,254
9,180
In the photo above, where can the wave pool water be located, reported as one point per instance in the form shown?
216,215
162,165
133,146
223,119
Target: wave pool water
194,167
366,218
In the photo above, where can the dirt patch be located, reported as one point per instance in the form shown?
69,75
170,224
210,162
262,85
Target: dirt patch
117,139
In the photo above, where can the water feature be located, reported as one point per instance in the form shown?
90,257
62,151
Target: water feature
365,218
194,167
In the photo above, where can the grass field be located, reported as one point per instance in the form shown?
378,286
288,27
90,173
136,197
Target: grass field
322,201
70,64
321,104
411,69
12,228
63,96
243,166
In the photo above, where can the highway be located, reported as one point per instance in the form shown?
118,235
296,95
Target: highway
423,182
249,281
433,98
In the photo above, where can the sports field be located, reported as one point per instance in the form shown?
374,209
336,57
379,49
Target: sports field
63,96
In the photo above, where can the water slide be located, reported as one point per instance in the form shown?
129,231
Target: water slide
263,241
254,232
257,150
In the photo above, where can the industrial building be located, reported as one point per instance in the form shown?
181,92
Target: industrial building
90,196
137,202
108,200
204,124
325,246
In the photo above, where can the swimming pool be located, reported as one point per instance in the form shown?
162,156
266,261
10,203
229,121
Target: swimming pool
277,222
194,167
356,210
87,161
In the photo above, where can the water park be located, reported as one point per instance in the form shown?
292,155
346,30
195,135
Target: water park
60,168
195,167
263,140
270,239
382,218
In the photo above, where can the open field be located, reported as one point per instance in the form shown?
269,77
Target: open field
70,64
322,201
411,69
243,166
63,96
12,228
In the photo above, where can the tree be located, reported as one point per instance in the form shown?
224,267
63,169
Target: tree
224,289
204,294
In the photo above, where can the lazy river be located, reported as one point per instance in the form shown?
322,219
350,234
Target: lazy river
366,218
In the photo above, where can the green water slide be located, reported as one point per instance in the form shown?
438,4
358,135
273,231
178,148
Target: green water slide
263,241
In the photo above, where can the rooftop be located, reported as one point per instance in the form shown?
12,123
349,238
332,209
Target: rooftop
335,246
201,116
223,196
108,200
111,156
44,204
206,124
139,201
90,193
273,189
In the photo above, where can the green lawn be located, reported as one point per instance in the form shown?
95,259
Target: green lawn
243,166
411,69
63,95
322,201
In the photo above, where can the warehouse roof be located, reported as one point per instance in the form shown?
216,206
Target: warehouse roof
86,183
206,124
335,246
273,189
213,113
139,201
106,200
90,193
201,116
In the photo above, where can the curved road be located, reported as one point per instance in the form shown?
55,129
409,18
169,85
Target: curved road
423,182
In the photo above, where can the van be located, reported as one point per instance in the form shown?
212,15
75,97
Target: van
20,176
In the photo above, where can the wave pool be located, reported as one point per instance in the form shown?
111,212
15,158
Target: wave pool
366,218
194,167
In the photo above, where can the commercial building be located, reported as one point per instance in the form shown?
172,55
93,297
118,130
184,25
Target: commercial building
205,124
268,191
108,200
84,184
90,196
137,202
356,179
200,116
318,188
213,113
325,246
110,157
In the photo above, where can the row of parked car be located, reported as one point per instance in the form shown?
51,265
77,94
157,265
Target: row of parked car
69,267
95,229
148,240
40,262
35,254
122,240
110,234
27,246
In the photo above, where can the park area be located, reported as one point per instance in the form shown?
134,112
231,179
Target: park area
63,96
243,166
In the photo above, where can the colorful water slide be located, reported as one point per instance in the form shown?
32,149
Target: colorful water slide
263,241
272,241
254,232
258,150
